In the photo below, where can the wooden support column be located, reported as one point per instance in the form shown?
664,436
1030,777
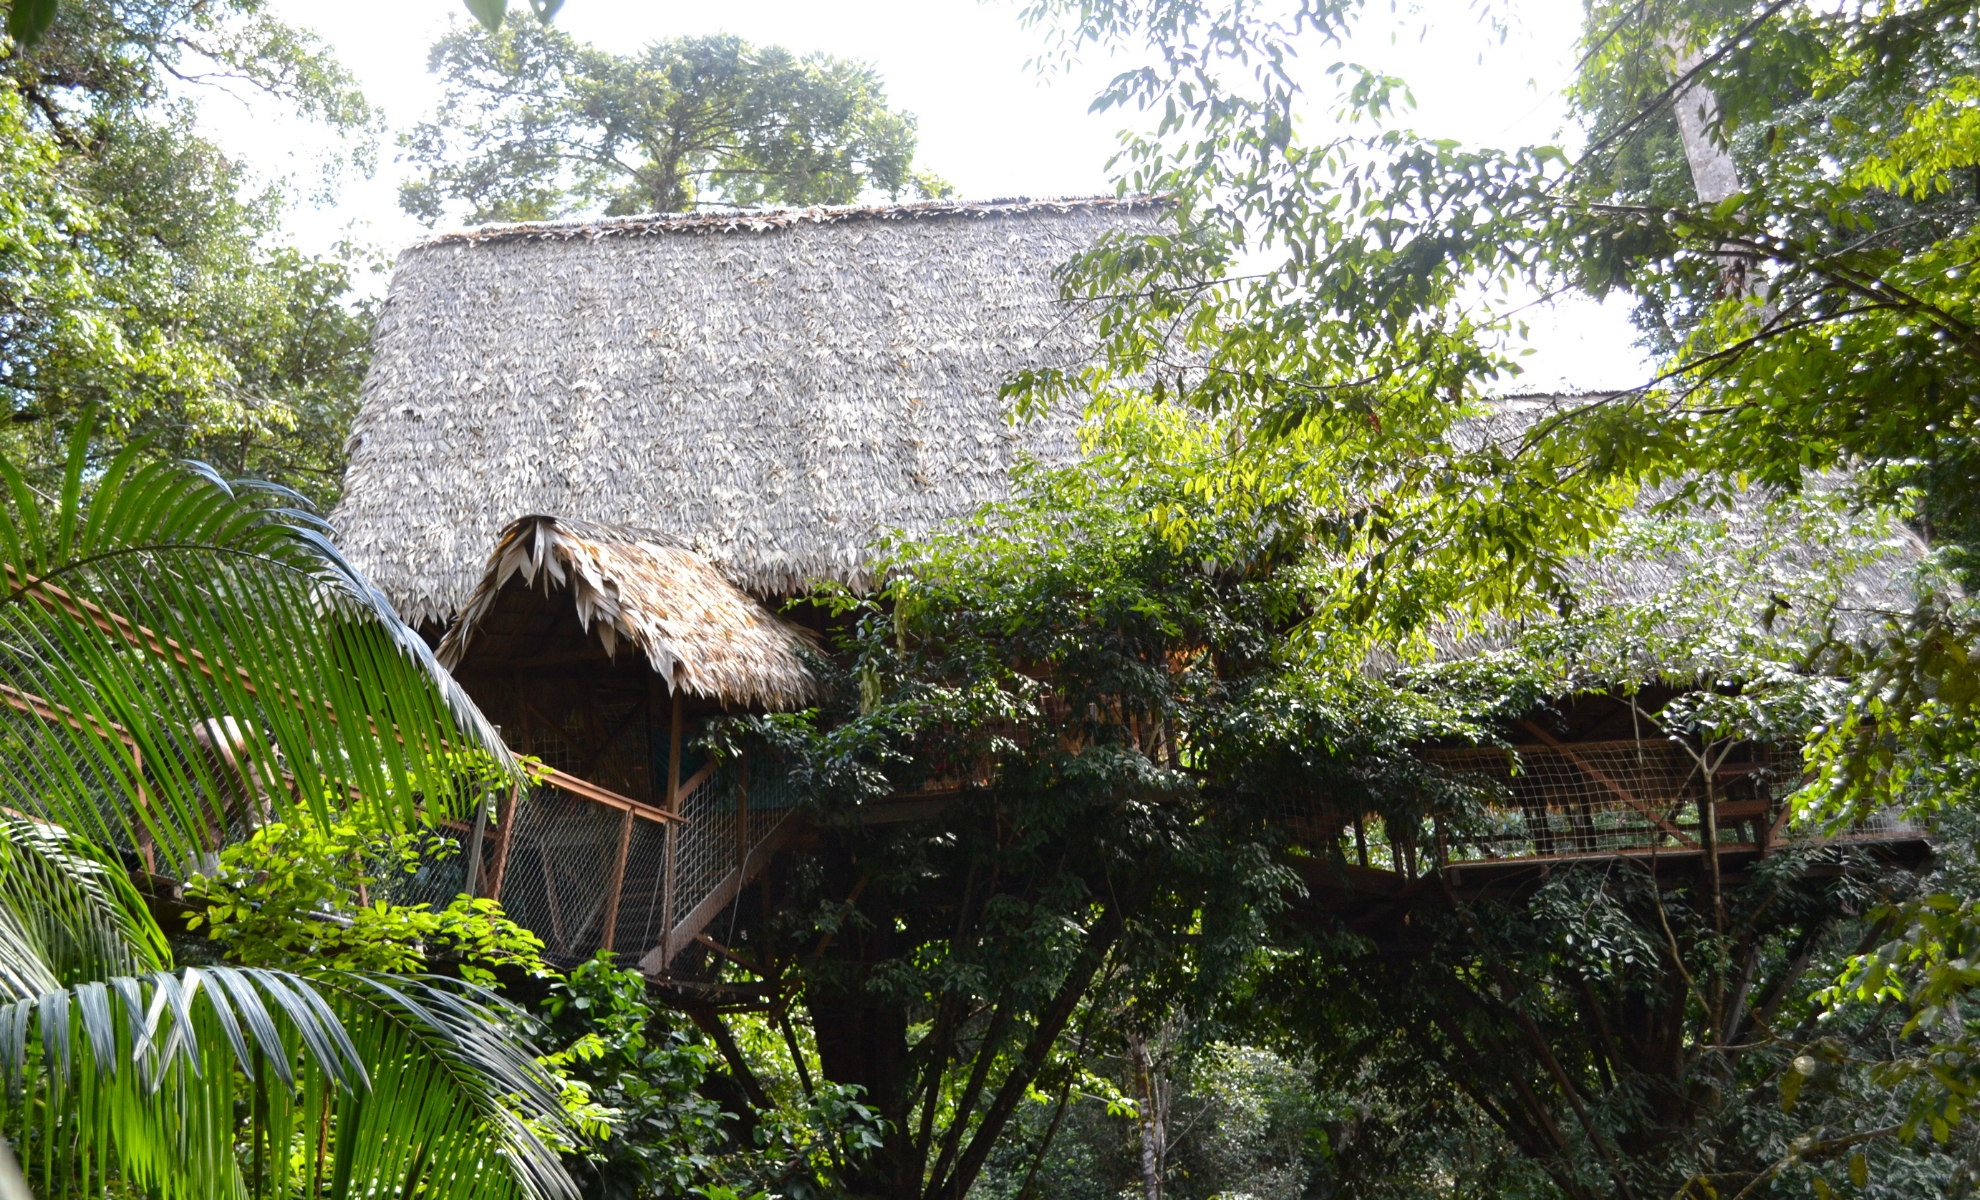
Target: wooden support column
480,833
742,815
618,882
505,832
673,831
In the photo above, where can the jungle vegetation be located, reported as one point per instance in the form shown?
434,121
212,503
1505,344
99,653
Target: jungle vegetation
1102,970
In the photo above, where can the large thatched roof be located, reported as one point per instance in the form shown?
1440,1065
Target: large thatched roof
772,390
638,590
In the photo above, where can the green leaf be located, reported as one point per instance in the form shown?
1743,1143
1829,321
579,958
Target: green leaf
488,12
29,19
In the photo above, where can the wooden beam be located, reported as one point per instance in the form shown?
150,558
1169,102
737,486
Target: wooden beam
505,832
1622,793
617,883
587,790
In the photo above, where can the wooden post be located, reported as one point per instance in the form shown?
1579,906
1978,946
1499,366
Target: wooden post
673,832
505,819
473,881
742,815
618,882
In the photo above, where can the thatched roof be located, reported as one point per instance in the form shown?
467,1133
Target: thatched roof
700,633
770,389
1808,564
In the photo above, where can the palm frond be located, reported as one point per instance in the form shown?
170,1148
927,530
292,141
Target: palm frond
68,913
180,661
354,1086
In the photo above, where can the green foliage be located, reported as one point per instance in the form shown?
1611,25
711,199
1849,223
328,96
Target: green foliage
654,1133
534,124
297,894
121,1072
139,270
646,1085
1316,306
184,662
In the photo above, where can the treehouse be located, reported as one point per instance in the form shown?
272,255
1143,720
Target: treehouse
594,461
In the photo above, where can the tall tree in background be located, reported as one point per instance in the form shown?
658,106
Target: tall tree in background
534,124
140,272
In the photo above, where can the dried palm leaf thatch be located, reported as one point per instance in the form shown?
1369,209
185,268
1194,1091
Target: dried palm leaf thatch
700,633
1683,583
771,389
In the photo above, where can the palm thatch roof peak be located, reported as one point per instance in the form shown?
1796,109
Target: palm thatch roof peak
700,633
772,390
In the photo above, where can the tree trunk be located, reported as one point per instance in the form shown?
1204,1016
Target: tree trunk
1714,174
1152,1093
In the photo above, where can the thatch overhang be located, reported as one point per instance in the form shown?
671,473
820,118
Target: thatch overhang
639,590
771,390
1760,556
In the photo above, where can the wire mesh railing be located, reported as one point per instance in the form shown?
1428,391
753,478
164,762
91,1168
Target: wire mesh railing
1587,798
586,874
1629,796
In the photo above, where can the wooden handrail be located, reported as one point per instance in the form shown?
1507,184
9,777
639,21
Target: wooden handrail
587,790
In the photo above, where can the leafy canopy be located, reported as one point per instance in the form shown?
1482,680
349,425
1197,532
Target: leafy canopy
141,270
534,124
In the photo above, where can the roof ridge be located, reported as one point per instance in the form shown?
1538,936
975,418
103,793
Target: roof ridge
771,220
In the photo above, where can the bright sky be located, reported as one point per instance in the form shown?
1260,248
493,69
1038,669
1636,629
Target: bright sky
988,125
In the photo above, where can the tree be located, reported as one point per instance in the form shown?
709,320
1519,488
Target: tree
1786,195
1118,712
535,125
137,274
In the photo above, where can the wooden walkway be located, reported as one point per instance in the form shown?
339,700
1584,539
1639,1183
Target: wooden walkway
588,870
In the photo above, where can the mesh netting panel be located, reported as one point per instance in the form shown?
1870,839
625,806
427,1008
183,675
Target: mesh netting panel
560,859
1589,798
642,898
705,846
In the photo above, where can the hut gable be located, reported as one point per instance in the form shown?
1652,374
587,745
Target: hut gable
771,391
699,632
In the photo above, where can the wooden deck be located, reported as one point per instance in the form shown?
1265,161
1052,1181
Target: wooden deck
582,873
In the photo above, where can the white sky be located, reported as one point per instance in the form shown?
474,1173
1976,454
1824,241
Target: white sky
988,125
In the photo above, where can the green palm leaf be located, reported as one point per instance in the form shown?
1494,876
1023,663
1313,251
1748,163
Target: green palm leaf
354,1086
68,913
181,659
